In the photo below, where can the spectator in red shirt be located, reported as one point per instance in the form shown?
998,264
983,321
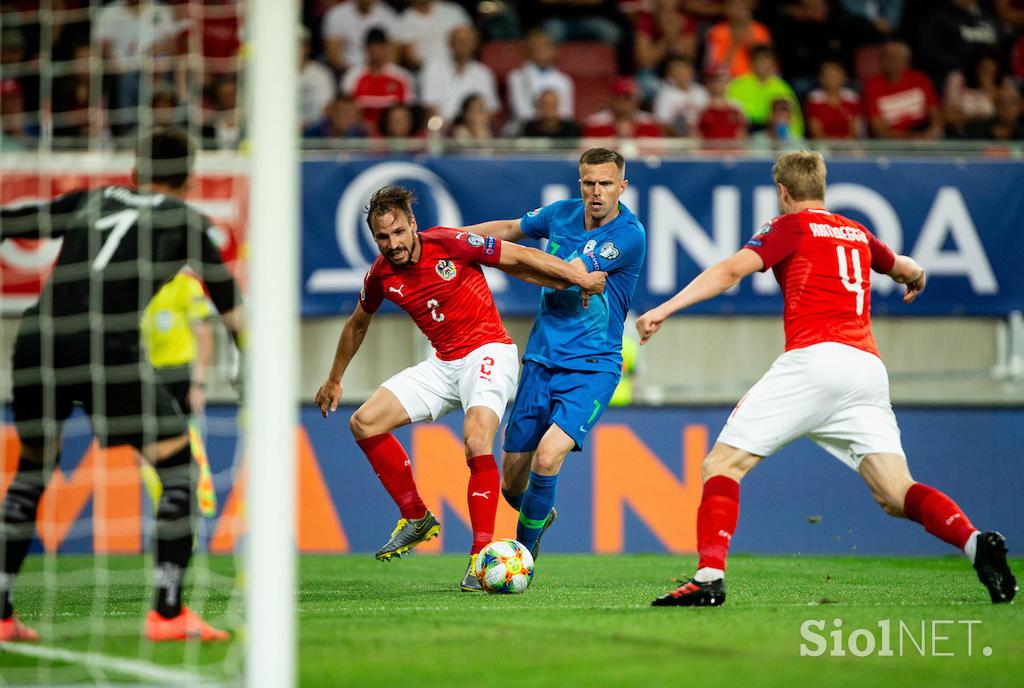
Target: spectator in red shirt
901,102
379,83
623,117
832,111
216,23
722,118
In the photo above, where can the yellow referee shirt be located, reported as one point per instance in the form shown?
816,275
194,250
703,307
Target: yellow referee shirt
167,321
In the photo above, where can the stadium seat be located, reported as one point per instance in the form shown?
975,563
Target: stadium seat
591,94
866,63
587,58
502,57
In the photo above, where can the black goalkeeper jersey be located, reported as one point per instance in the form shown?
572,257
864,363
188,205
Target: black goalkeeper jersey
120,245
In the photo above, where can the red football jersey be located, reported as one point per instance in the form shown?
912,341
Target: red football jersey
903,105
604,125
721,122
823,264
376,92
444,291
839,121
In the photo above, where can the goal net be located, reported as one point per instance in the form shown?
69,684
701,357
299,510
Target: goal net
81,83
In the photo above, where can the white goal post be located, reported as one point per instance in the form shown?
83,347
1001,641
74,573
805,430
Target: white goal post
272,359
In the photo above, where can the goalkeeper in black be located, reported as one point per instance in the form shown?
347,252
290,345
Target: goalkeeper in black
81,344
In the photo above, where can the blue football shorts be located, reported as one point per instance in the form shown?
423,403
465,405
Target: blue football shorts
571,399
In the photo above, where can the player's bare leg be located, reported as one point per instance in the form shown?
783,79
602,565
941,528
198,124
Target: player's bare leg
371,425
174,532
379,414
515,476
889,480
35,465
478,430
723,469
538,509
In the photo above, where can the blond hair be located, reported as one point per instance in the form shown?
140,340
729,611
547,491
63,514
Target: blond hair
802,173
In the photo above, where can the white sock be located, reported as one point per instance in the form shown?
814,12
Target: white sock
708,574
971,546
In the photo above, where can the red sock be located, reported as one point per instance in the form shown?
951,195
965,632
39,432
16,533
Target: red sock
939,514
716,520
482,497
391,464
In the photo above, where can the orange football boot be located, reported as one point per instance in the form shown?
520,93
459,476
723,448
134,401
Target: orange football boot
12,631
185,626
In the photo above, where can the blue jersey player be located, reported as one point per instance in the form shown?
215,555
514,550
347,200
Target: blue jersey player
573,359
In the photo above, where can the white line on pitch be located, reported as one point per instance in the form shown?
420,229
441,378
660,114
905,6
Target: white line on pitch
131,667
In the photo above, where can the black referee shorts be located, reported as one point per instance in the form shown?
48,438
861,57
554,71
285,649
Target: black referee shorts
125,401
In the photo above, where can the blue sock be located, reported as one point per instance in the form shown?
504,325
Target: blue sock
514,500
537,503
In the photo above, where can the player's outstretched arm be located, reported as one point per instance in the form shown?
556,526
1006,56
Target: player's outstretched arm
506,230
907,271
352,335
50,219
716,280
541,268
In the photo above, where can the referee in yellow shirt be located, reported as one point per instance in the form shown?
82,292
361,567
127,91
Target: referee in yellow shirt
178,337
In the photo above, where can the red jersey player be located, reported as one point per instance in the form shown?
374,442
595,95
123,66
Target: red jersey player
829,384
435,277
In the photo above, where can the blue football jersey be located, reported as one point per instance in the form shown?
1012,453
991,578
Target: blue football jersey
565,334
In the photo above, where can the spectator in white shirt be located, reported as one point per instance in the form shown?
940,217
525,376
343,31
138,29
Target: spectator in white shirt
316,85
129,31
446,82
680,99
537,75
424,29
345,26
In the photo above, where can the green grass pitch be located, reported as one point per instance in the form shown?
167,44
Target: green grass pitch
585,621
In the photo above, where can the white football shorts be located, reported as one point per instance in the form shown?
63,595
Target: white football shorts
835,394
486,377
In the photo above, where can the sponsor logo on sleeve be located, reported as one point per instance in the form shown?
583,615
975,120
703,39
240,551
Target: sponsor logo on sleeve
446,269
608,251
489,245
475,240
534,212
761,231
362,293
589,246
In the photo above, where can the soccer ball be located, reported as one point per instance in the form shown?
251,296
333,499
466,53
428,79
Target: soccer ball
504,566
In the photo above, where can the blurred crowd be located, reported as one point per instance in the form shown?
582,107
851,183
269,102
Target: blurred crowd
475,70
